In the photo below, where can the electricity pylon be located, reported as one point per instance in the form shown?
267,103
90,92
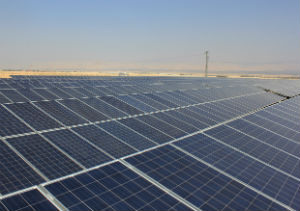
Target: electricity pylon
206,63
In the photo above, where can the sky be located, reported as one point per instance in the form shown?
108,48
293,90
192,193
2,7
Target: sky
243,36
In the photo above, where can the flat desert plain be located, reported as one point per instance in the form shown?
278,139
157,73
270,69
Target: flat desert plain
9,73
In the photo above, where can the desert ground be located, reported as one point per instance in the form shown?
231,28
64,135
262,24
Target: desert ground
9,73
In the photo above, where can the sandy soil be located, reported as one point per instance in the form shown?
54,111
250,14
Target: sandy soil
8,74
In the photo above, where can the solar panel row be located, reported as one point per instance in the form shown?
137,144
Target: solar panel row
147,144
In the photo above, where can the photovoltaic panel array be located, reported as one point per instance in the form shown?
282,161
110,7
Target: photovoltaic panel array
149,143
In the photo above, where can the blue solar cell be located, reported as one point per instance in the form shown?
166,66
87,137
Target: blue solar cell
120,105
177,122
171,98
50,161
183,98
10,124
200,95
112,187
233,107
280,120
106,90
60,113
13,95
136,103
3,99
46,94
218,110
31,200
162,126
150,102
146,130
275,127
284,109
84,91
162,100
284,112
105,141
193,120
116,90
104,108
199,116
33,116
94,91
73,92
59,93
257,149
30,94
196,182
15,174
260,176
190,97
208,113
3,85
127,135
266,136
78,148
83,110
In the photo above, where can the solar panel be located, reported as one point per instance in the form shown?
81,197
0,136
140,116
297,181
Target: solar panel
191,121
33,116
127,135
78,148
207,111
83,110
252,172
274,126
183,97
281,120
46,94
199,184
115,147
162,126
171,98
193,112
113,187
120,105
269,154
104,108
30,94
162,100
48,159
136,103
60,113
150,102
13,95
284,113
10,124
177,123
73,92
4,99
15,173
31,200
58,92
146,130
149,143
83,91
267,136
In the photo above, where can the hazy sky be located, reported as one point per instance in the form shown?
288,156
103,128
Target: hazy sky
259,35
